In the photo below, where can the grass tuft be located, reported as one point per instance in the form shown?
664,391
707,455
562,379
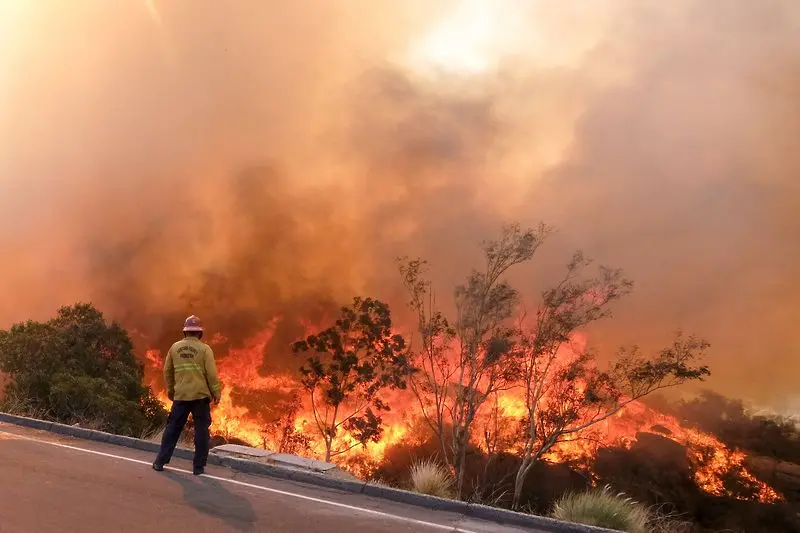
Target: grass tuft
429,477
603,508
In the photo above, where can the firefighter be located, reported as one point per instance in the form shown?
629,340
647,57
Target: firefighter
192,384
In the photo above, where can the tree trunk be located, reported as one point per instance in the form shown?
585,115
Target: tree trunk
440,432
459,458
328,444
461,467
519,481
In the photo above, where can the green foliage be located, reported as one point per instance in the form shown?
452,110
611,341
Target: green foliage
350,363
75,368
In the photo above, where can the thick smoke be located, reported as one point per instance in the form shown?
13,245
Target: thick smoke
252,160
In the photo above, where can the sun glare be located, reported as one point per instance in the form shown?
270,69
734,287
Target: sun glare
152,10
13,20
475,37
463,40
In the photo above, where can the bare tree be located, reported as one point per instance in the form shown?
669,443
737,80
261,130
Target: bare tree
564,391
462,363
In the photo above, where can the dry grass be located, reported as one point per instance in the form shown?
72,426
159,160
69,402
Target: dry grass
667,522
603,508
186,439
14,405
153,435
429,477
379,482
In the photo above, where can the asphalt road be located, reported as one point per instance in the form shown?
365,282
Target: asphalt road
53,483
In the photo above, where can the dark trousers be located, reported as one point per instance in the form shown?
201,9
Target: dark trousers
201,414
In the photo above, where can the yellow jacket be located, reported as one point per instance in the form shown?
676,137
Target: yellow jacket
190,371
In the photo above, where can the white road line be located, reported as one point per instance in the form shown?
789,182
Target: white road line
259,487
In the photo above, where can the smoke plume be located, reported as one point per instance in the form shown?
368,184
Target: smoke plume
248,160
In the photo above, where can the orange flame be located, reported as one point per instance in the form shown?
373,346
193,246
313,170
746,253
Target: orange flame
239,368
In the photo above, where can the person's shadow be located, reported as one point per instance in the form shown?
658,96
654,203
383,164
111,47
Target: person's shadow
210,497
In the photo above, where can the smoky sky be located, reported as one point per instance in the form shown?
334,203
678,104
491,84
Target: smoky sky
256,160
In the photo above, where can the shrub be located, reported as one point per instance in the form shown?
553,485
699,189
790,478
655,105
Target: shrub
76,368
660,522
429,477
603,508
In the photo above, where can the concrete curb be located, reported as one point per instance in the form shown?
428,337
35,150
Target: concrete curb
481,512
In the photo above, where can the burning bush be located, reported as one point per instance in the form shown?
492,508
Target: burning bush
655,469
464,363
517,408
771,436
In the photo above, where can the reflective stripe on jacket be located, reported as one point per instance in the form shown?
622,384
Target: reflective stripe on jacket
190,370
